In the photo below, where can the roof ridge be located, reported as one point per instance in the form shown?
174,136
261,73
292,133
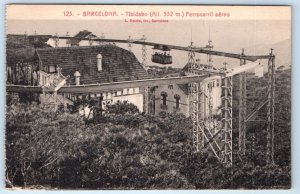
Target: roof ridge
76,47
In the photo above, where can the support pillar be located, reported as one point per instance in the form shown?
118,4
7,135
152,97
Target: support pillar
91,41
209,56
196,104
227,120
129,43
271,109
197,114
146,100
56,40
49,100
209,116
144,53
242,110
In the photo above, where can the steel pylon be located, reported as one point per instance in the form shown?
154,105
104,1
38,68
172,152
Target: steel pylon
271,108
227,119
242,108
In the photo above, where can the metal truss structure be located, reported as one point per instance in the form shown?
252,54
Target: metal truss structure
244,118
204,131
49,100
56,40
68,41
242,108
197,114
129,40
227,119
271,109
144,53
91,41
195,101
209,56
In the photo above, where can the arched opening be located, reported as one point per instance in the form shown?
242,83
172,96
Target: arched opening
164,96
177,101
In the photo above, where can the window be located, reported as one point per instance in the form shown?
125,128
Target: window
170,87
44,68
44,80
52,68
177,99
209,84
164,98
218,82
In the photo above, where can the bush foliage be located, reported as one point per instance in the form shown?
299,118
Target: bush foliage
130,150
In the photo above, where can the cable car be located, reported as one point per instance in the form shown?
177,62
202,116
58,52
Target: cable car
162,55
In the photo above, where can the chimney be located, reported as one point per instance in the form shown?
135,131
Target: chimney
77,78
99,62
58,69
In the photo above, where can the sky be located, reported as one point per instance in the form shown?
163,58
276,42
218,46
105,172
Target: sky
247,27
225,34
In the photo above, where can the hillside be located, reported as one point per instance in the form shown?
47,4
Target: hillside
282,51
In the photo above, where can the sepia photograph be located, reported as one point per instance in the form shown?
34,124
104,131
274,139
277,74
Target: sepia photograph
147,97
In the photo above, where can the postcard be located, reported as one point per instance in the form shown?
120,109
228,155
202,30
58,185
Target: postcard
148,97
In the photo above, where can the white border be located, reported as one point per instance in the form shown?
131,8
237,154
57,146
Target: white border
295,81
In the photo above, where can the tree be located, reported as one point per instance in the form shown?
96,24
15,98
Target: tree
37,139
122,107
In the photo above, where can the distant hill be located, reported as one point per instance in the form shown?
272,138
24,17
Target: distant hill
282,51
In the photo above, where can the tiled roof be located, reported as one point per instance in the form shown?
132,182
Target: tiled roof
117,64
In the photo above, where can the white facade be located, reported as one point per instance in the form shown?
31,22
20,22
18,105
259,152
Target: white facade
64,43
213,97
44,79
132,95
166,97
61,42
170,98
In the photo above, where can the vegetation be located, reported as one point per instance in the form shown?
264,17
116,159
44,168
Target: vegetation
131,150
20,48
160,72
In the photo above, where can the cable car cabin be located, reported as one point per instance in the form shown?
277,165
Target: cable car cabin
162,56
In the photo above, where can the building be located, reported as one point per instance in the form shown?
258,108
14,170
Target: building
76,40
91,65
175,98
103,63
